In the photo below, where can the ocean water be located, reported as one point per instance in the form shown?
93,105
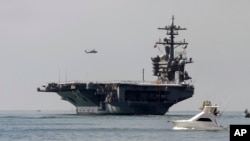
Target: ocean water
66,125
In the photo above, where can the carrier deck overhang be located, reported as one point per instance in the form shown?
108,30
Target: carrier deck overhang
120,97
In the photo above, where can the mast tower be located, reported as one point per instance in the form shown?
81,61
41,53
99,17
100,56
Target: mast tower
168,67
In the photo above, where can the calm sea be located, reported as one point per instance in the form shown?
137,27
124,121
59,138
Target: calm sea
65,125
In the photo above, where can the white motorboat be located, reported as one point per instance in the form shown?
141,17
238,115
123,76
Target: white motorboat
205,120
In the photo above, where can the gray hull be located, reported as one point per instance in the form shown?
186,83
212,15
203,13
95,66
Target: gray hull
121,98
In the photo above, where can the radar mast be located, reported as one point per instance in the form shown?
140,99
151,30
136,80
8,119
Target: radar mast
170,68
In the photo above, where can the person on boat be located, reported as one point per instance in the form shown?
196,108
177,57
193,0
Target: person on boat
247,114
205,103
215,111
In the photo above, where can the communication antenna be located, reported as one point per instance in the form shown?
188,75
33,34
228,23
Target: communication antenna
66,75
143,74
59,74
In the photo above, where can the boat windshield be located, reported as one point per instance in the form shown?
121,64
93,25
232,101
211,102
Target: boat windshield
205,119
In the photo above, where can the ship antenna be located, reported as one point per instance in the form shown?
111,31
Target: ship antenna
66,75
172,43
59,75
143,74
172,19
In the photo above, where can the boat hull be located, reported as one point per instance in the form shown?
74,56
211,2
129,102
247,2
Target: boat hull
195,125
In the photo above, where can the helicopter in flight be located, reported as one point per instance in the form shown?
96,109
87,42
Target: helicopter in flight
91,51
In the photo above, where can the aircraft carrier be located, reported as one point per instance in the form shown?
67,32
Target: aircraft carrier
172,85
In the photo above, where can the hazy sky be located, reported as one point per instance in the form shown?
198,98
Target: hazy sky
41,40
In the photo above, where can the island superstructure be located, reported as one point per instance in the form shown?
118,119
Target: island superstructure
135,97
